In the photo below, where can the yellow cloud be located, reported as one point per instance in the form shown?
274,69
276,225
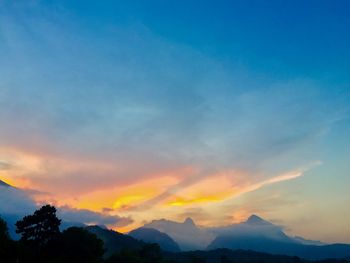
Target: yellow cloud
219,187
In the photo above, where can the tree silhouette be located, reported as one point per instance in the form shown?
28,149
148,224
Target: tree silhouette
225,259
7,246
151,253
40,227
197,259
79,245
4,234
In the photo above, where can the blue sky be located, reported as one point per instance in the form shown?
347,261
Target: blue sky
285,38
143,104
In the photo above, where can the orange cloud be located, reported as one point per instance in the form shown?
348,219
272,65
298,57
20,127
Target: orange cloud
121,198
20,163
101,186
220,187
211,189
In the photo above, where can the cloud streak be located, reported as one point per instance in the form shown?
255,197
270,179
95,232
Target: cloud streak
92,218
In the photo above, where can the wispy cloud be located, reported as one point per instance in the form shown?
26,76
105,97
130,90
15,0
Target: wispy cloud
89,217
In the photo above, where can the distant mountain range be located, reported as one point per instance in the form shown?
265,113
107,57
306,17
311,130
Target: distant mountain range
238,247
254,228
254,234
186,234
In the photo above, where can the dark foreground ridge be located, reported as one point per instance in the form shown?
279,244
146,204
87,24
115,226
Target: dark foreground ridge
239,256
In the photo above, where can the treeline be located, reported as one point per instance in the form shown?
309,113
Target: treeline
42,242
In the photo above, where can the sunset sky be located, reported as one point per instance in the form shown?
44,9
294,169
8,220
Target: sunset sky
213,110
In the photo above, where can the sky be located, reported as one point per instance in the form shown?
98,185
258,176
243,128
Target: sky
215,110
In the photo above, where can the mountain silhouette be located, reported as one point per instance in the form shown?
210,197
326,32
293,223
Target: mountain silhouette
14,204
256,220
189,221
253,234
262,236
2,183
115,241
253,228
186,234
150,235
309,242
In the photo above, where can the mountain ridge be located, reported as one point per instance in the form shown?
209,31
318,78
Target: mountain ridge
186,234
151,235
114,241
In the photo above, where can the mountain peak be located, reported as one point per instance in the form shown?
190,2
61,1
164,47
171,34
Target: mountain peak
2,183
189,221
254,219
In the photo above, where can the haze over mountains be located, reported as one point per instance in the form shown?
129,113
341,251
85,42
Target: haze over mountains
189,236
186,234
254,234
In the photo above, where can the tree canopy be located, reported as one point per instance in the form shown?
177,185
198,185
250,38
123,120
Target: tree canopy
4,234
79,245
39,227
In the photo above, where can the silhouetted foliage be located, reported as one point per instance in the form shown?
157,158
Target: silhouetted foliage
125,256
197,259
225,259
7,246
238,256
151,253
4,234
79,245
40,227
